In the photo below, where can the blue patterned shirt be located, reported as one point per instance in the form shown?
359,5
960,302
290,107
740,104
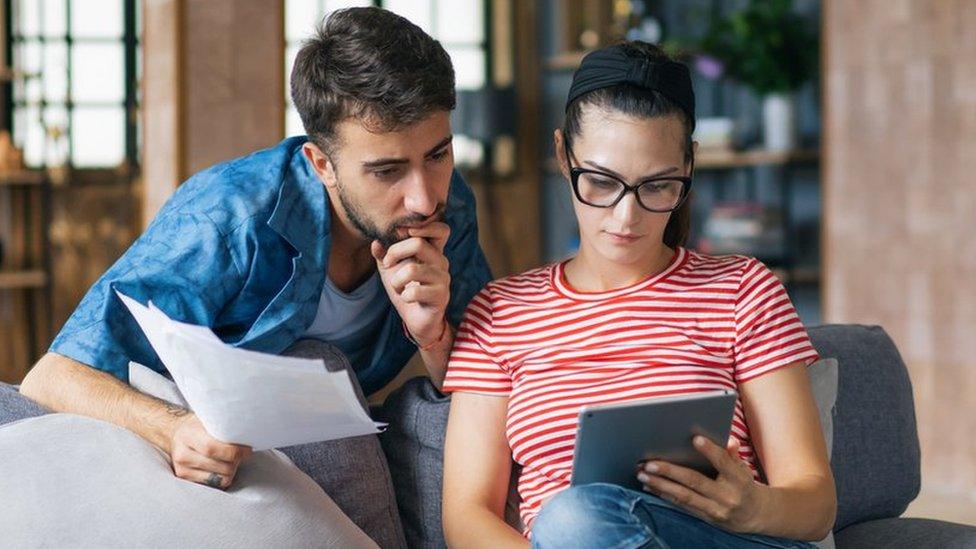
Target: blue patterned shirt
243,248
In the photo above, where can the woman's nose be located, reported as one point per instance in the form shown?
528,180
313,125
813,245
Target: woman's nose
627,210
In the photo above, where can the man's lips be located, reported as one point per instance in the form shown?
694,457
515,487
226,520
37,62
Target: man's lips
422,224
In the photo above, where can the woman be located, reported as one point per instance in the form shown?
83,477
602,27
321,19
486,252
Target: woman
633,315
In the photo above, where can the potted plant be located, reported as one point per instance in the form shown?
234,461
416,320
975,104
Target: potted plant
772,50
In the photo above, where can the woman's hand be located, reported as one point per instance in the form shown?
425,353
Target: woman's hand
732,501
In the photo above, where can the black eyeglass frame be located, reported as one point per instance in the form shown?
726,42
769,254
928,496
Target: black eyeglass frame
575,173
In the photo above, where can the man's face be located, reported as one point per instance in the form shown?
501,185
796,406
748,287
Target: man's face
384,183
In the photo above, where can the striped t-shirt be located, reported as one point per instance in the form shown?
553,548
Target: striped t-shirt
703,324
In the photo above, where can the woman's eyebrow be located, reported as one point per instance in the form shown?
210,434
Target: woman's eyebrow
665,171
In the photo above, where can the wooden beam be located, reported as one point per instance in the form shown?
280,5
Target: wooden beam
213,87
162,154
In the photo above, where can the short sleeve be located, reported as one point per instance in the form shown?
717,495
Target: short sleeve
181,263
474,366
768,332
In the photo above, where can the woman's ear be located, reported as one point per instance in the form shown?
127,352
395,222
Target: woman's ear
694,153
561,160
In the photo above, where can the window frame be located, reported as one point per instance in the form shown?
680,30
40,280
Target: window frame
484,45
130,42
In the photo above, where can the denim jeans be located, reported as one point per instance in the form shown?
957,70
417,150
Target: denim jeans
609,516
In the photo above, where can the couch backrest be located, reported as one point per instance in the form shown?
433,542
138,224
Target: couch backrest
875,458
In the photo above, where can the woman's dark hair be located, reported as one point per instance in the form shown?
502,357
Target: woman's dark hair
639,103
373,65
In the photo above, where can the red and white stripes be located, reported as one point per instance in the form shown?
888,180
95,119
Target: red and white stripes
704,323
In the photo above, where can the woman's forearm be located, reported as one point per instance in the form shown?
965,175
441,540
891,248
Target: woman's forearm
471,526
804,510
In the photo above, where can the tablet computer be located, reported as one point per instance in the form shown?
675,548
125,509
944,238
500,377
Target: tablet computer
612,440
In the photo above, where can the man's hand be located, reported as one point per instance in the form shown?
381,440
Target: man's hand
198,457
416,277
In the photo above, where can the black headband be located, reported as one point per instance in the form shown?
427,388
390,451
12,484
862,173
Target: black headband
612,66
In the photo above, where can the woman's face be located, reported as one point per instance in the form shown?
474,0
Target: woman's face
634,150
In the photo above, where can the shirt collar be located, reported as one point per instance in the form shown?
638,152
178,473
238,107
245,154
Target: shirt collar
301,215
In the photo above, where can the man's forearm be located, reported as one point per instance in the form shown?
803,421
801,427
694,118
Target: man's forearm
66,385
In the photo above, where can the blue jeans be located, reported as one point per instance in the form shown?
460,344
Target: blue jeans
609,516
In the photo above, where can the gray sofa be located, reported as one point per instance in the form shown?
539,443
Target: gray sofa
875,455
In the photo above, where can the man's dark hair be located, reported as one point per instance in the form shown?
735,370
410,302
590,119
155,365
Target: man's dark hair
640,103
373,65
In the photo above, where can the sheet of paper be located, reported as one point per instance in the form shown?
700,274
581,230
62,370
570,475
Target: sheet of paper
245,397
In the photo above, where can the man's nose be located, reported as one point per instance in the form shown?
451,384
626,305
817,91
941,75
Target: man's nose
419,196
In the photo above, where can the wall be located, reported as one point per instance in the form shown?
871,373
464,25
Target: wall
214,87
900,204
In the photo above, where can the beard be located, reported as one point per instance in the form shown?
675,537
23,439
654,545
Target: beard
388,235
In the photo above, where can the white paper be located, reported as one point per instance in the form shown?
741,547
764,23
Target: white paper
250,398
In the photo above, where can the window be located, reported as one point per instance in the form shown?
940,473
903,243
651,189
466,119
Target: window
73,95
459,25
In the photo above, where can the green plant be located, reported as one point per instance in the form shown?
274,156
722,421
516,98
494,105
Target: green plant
766,46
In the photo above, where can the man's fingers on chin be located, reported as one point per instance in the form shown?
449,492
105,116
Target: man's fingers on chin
402,250
436,233
377,250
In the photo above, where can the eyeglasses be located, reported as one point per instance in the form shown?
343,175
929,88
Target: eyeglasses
603,190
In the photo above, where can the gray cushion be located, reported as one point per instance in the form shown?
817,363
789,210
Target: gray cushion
414,446
906,533
74,481
823,384
875,457
14,406
352,471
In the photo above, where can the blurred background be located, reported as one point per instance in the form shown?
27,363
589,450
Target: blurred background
838,145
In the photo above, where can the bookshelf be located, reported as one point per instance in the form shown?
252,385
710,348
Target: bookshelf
25,271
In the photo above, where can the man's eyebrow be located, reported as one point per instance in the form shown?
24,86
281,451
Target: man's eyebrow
444,142
665,171
382,162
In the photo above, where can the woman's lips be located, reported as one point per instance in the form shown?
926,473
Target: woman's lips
623,238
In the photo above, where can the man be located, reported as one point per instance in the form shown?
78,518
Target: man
362,236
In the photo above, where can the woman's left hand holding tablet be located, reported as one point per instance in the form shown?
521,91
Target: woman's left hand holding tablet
733,500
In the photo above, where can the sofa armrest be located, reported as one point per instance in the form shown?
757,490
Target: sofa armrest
905,533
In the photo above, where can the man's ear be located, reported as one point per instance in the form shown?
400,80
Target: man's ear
321,163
